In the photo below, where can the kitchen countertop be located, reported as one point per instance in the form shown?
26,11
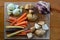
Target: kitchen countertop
54,17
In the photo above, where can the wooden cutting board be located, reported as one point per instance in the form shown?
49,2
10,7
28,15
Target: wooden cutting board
54,21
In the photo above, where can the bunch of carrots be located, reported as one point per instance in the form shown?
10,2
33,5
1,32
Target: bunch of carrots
21,21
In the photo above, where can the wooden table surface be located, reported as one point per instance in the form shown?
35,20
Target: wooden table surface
54,20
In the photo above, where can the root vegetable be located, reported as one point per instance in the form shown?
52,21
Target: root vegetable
29,35
22,23
40,32
31,17
20,18
32,29
37,26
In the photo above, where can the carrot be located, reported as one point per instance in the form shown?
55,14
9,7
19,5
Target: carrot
19,19
22,19
22,33
10,21
23,15
22,23
12,18
28,31
23,26
13,23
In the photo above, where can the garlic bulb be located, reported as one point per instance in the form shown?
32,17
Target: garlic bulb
11,6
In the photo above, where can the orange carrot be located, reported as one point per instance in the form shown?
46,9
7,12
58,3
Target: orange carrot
10,21
22,23
20,18
12,18
13,23
23,19
23,15
23,33
28,31
23,26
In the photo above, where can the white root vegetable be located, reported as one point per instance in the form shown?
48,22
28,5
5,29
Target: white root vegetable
40,32
29,35
45,27
37,26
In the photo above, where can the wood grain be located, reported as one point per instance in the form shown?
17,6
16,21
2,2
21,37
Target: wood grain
54,20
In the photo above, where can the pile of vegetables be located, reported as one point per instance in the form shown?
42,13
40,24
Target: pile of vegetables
14,9
19,17
39,29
